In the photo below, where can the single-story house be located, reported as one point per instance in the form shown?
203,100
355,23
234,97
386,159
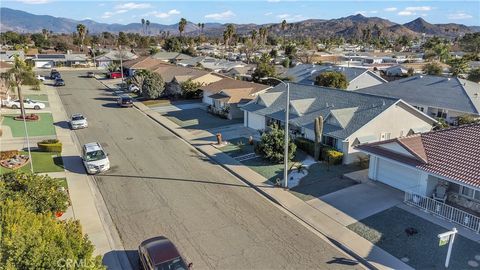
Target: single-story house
170,57
436,96
226,96
54,60
357,78
241,73
180,74
114,56
9,56
210,63
396,71
350,118
439,171
227,84
143,63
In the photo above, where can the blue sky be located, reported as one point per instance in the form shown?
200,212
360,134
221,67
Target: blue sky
266,11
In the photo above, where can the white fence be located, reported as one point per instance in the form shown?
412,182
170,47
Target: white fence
443,210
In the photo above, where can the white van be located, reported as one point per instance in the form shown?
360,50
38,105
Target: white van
94,158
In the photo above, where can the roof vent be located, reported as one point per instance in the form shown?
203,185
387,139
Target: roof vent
421,76
475,95
383,102
448,79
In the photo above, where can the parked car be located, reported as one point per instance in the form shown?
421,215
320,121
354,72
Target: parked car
90,74
78,121
40,78
160,253
125,101
54,74
94,158
115,75
27,103
59,82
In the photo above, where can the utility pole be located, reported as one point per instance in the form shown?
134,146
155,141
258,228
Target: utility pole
286,140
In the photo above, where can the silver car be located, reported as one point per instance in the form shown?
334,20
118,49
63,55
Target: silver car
78,121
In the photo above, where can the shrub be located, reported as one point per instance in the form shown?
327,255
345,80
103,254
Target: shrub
332,79
333,156
306,145
153,85
41,194
8,154
51,145
271,145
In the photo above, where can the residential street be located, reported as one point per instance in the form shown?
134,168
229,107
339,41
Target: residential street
159,185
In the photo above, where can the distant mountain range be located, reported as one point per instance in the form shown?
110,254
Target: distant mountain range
353,26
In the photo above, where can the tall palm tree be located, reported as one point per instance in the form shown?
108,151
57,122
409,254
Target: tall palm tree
202,26
228,33
147,23
82,32
284,27
143,24
16,76
181,25
45,33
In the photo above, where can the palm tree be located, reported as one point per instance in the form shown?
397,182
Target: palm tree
228,34
284,27
181,25
147,23
143,24
82,32
16,77
202,26
45,33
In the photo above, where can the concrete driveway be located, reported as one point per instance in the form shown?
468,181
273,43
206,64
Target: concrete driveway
357,202
179,107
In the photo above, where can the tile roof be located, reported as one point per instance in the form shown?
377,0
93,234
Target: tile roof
453,153
229,83
355,109
440,92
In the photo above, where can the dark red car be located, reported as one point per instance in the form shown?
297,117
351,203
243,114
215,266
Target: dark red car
115,75
159,253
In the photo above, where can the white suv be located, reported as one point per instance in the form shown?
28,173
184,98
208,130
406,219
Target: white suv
94,158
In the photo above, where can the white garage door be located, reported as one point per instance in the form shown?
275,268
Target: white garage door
256,121
43,63
397,176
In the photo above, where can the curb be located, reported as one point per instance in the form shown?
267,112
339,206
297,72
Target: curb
339,245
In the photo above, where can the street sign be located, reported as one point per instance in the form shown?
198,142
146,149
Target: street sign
444,239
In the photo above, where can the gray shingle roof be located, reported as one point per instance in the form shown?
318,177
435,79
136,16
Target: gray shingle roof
354,109
440,92
306,73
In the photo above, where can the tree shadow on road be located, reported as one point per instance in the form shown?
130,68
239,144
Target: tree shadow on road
176,179
112,258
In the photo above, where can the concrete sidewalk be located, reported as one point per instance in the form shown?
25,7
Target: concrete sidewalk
322,222
87,203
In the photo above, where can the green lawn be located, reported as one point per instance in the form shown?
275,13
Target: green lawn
387,230
237,147
42,127
323,179
198,119
43,162
38,97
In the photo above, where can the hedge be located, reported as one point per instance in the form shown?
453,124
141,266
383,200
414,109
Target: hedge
52,145
332,156
308,146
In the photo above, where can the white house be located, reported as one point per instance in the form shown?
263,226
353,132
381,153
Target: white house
350,118
437,170
438,97
357,78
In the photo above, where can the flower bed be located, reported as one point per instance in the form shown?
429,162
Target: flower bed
28,117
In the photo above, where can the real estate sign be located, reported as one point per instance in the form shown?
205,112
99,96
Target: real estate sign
444,239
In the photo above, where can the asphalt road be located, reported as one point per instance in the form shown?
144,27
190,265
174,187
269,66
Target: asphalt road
159,185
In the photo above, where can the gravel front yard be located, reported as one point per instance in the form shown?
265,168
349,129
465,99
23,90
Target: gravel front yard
387,230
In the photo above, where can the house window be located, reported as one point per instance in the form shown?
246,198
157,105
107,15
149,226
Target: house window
470,193
441,113
329,141
419,108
